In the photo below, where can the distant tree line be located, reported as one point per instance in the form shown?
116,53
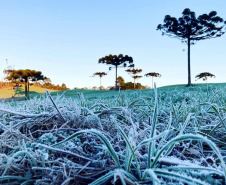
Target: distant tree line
47,84
129,85
27,77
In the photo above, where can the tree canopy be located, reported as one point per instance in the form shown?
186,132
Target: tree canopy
117,60
205,26
100,74
153,74
204,76
190,29
134,72
24,75
129,85
121,80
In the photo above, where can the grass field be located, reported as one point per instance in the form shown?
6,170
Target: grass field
92,94
170,135
19,92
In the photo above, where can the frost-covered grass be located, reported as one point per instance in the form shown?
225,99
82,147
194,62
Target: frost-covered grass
169,136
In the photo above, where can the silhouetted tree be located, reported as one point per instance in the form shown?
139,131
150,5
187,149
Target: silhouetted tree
204,76
189,29
100,74
153,74
117,61
134,76
25,75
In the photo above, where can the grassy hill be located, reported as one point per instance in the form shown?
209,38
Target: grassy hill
92,94
19,92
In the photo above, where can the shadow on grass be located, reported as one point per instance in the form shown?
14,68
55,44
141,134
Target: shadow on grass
19,91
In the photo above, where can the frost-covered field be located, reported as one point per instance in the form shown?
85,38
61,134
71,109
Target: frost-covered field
141,137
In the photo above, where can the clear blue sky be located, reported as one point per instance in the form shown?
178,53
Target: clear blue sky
64,39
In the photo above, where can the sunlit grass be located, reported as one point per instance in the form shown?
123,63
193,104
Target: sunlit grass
20,92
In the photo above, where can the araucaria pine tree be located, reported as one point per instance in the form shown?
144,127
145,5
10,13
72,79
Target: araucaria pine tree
190,29
204,76
134,76
117,61
25,75
153,74
100,74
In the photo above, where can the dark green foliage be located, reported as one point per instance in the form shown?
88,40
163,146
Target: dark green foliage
54,87
129,85
121,80
117,61
188,26
24,75
190,29
134,76
153,74
100,74
204,76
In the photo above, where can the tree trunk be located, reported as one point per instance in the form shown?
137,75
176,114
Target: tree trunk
28,87
189,66
25,86
134,84
152,82
100,82
12,91
116,80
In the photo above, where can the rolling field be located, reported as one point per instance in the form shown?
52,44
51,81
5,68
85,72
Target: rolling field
169,135
19,92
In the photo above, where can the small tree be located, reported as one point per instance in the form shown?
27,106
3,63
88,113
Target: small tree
134,76
64,87
204,76
153,74
121,80
94,88
100,74
190,29
117,61
25,75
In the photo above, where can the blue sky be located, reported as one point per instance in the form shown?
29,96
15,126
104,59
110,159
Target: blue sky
65,39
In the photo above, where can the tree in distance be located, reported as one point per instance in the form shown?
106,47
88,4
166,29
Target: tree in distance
24,75
100,74
121,80
153,74
190,29
117,61
129,85
204,76
134,76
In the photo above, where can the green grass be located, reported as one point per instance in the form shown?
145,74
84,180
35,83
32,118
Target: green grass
181,86
19,92
90,94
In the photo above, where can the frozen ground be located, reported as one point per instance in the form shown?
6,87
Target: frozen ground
169,136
